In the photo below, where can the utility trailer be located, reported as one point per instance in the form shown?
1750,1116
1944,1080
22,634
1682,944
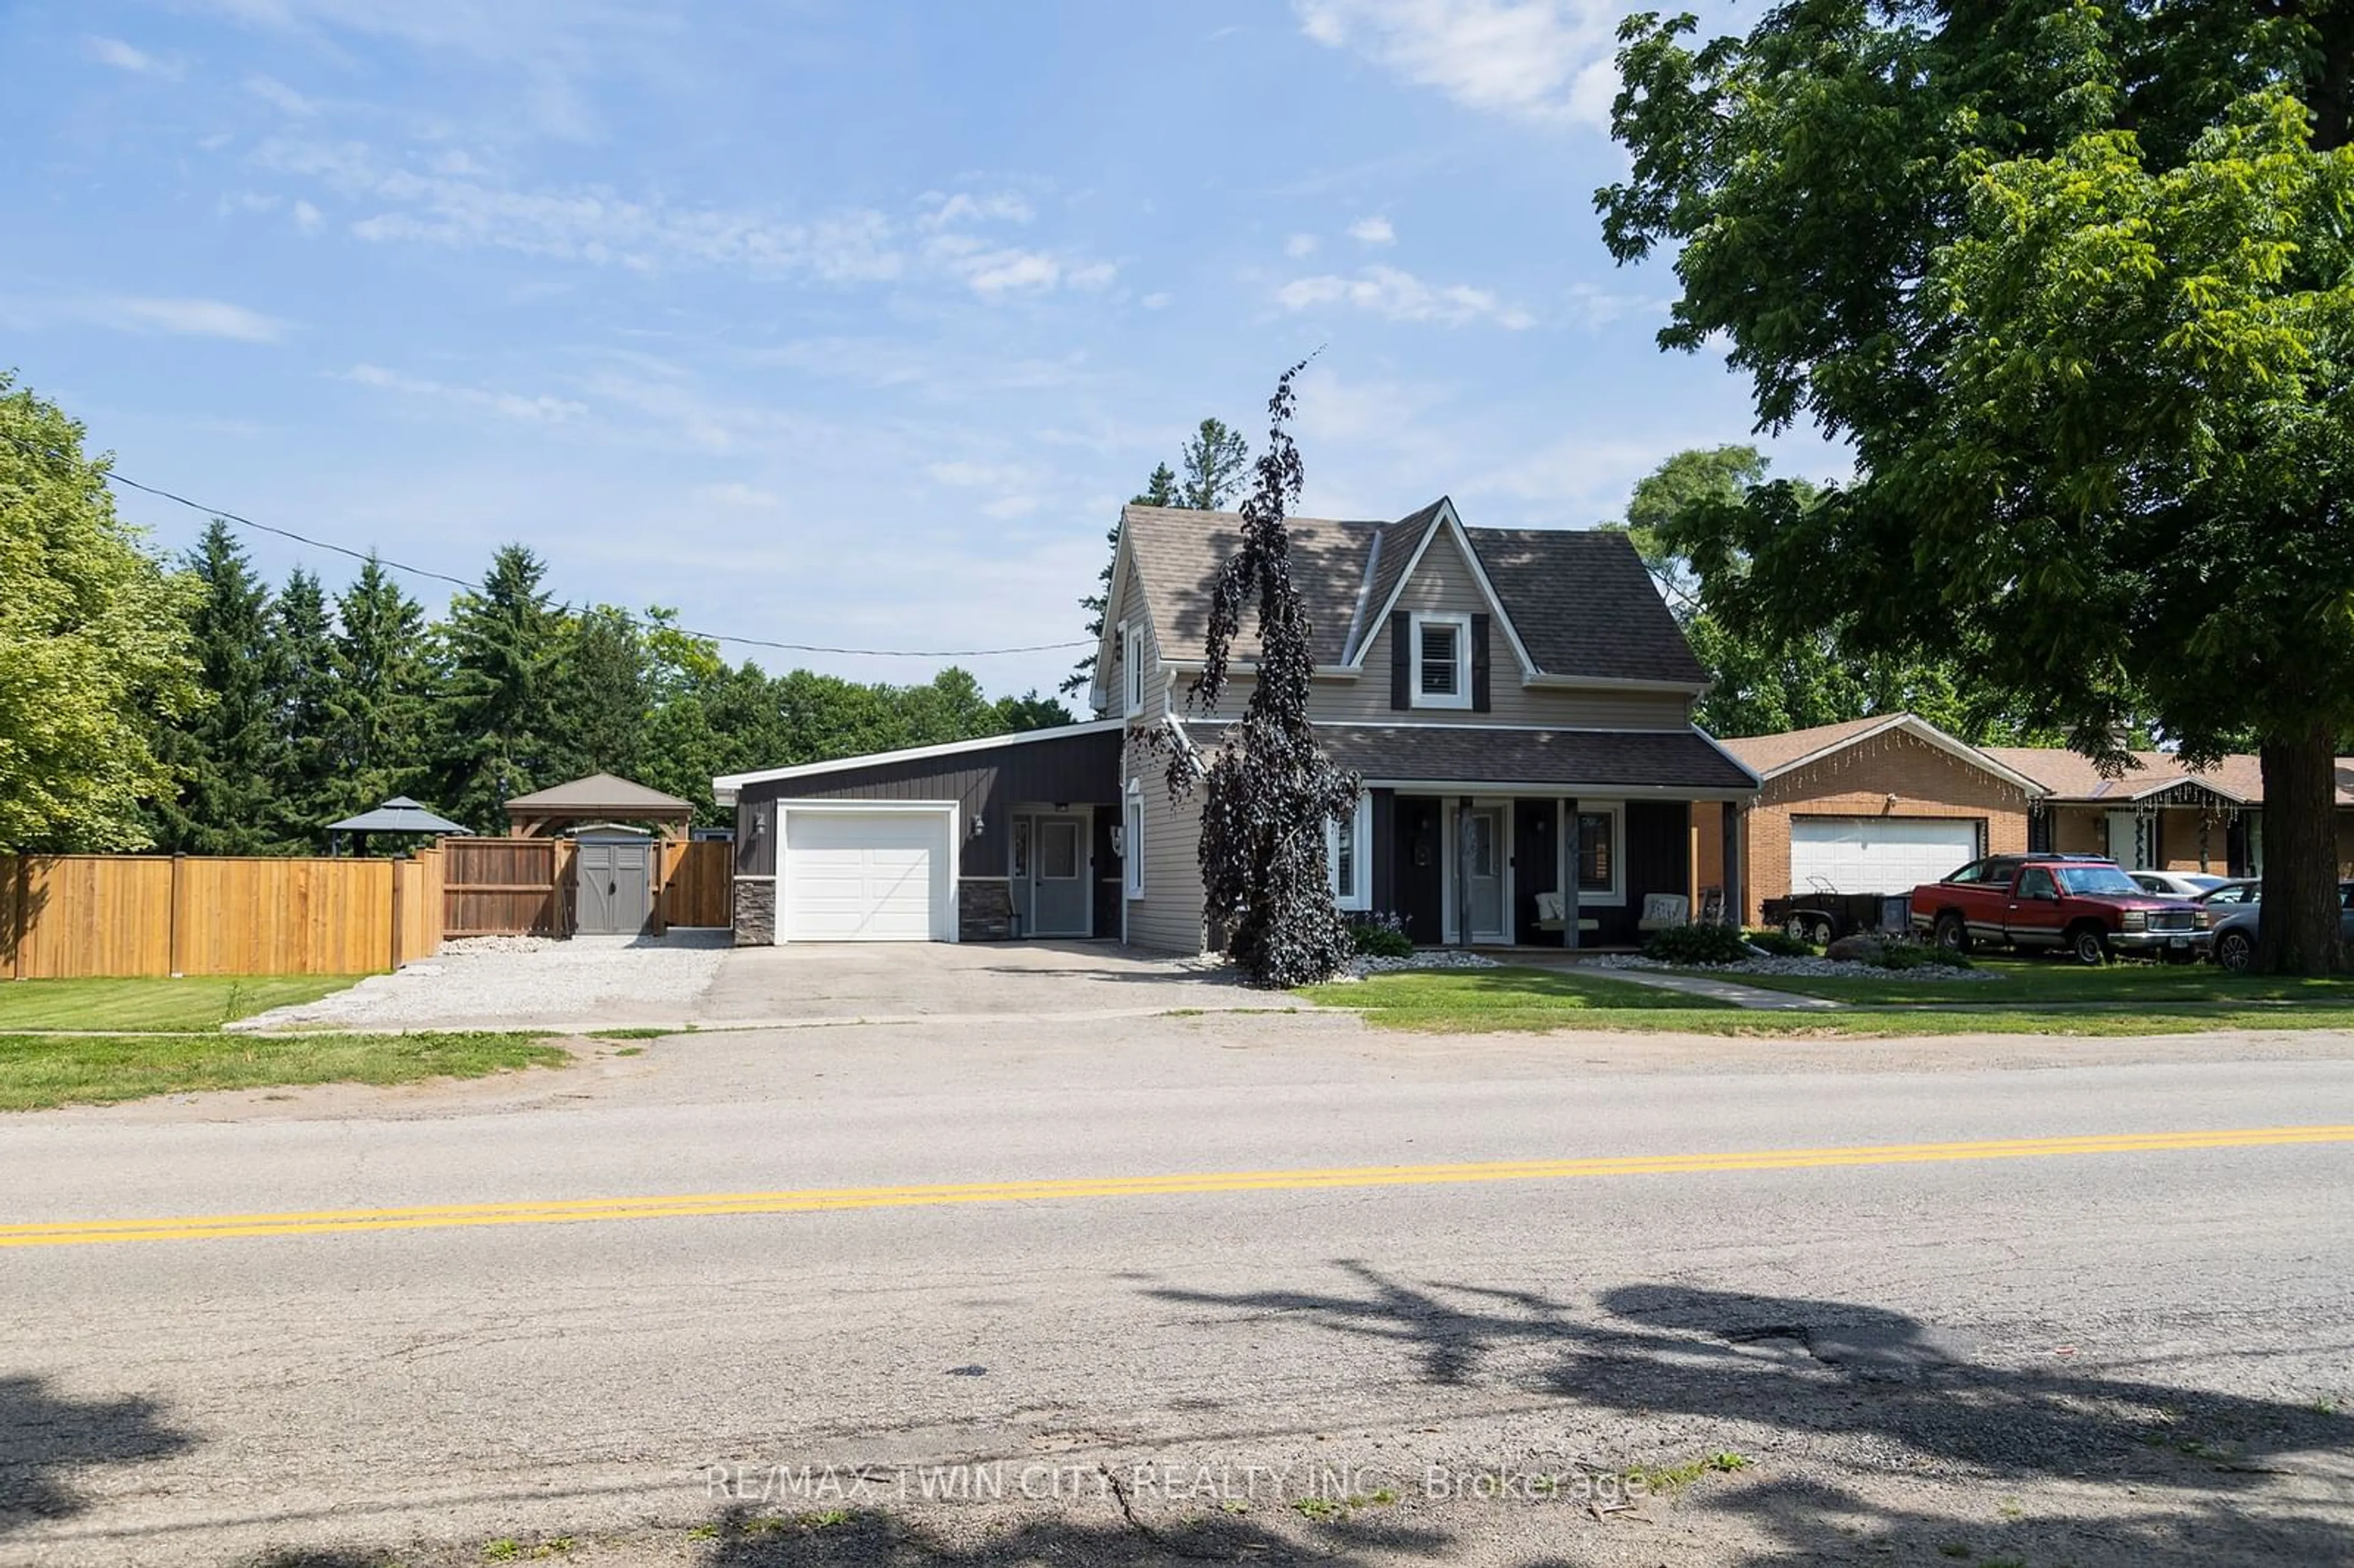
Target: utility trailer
1823,914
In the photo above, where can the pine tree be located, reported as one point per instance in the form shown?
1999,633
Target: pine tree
1215,462
600,695
501,645
379,709
228,753
300,698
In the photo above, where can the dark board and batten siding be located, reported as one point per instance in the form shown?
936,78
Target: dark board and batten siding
1080,770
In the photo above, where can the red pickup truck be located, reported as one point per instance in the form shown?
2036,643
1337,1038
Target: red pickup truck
2078,903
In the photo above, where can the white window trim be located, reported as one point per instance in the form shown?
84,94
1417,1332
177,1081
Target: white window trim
1616,892
1461,621
1131,668
1131,847
1362,899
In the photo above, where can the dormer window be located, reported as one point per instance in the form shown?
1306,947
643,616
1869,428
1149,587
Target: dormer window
1442,661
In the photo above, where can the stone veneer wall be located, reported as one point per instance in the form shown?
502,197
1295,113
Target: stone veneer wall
756,911
984,910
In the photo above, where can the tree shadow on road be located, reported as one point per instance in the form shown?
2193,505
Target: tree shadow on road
47,1441
746,1537
1915,1405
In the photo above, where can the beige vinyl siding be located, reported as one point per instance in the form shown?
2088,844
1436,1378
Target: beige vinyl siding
1127,605
1167,918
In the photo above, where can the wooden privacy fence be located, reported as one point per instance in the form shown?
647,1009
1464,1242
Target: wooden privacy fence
524,888
507,887
69,915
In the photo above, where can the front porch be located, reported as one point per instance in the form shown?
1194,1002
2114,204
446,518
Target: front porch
1501,870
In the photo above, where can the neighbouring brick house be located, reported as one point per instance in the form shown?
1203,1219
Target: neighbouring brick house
1879,804
1871,806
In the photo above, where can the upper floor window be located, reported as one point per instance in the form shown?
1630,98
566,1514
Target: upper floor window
1442,661
1131,668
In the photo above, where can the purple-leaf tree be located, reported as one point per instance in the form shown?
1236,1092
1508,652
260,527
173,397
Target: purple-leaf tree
1269,793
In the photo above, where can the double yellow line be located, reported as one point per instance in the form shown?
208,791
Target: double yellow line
820,1200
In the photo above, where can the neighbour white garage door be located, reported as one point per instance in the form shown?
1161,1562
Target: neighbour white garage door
1877,854
866,876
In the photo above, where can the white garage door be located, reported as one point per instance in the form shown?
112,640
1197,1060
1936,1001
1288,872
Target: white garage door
866,876
1877,854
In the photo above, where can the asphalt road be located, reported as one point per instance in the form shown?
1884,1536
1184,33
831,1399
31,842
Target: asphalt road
737,1299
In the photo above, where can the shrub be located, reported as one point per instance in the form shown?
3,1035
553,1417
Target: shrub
1697,945
1916,954
1380,937
1777,943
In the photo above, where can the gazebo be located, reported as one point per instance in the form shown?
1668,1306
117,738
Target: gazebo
600,800
399,815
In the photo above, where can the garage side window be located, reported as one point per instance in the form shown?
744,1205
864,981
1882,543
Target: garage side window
1131,847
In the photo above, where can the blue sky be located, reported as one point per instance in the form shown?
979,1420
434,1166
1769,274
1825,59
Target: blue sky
841,323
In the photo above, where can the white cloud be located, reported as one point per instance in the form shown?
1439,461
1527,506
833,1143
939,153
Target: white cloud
1372,231
1299,245
949,211
280,96
146,314
540,410
307,217
115,52
735,493
1159,300
1539,60
1402,296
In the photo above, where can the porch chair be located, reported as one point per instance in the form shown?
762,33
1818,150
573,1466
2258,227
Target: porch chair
1664,912
1552,918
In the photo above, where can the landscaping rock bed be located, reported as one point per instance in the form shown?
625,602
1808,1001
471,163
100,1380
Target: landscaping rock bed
1433,959
1825,969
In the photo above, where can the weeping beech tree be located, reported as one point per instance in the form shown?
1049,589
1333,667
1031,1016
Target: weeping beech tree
1269,792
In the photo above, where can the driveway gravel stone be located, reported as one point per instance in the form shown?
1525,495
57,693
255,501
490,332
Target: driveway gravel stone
523,982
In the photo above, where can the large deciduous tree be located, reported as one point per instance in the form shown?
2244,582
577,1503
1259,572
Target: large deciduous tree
93,645
2073,283
1269,792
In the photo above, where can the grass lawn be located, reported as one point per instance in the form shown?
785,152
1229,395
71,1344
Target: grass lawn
1473,1001
2052,979
195,1003
39,1071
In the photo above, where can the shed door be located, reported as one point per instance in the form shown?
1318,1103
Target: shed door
867,876
1878,854
614,889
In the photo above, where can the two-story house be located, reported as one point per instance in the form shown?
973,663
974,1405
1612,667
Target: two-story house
1516,701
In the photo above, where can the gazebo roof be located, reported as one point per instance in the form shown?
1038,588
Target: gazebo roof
399,815
600,794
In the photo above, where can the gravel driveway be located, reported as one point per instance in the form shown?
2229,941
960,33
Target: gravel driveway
518,982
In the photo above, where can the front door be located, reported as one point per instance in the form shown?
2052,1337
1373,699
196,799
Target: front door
1057,883
2133,840
1483,870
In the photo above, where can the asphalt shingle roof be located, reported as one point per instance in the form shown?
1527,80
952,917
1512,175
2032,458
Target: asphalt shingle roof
1580,598
1448,753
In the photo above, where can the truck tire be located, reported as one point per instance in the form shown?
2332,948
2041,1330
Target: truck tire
1951,933
2234,952
2089,944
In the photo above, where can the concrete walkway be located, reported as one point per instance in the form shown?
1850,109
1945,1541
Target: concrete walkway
1750,996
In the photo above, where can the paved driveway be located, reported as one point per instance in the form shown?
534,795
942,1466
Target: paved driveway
815,981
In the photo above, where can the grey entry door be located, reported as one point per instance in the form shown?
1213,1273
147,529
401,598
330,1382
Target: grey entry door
1059,896
1483,864
614,885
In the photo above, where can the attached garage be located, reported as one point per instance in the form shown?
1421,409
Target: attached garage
868,873
1878,854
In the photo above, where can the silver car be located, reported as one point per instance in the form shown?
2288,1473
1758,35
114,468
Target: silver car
2177,884
2233,911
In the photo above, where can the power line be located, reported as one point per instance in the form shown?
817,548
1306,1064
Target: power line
227,516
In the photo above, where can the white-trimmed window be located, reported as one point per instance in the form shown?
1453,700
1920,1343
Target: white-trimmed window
1348,846
1597,849
1131,668
1442,660
1131,840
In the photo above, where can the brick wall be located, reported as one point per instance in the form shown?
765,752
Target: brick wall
1856,781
